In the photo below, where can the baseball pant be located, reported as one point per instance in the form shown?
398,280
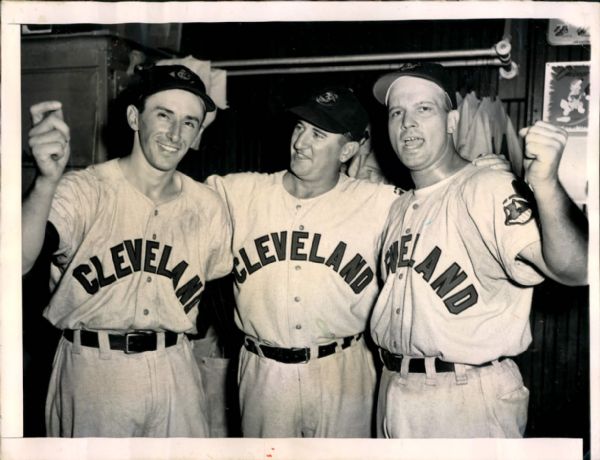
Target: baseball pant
327,397
99,392
471,402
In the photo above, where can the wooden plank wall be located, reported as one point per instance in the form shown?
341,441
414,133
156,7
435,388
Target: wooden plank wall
556,367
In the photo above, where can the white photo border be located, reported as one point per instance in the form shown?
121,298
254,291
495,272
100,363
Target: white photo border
15,13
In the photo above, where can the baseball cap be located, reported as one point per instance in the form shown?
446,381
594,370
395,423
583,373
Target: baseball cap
336,110
156,78
426,70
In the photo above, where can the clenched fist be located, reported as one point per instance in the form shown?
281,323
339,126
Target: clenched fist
49,139
544,145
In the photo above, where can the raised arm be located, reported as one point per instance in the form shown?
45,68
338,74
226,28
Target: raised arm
49,143
564,231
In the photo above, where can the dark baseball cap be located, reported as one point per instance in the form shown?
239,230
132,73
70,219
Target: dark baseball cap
335,110
156,78
426,70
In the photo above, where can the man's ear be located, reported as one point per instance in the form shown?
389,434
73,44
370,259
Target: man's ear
196,142
349,150
453,118
133,117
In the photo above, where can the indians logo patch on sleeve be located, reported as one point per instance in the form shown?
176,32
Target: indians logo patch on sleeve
517,209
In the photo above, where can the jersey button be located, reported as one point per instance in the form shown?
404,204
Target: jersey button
156,212
395,344
146,312
397,311
298,207
416,206
400,276
298,326
154,236
149,279
296,299
408,230
297,267
301,227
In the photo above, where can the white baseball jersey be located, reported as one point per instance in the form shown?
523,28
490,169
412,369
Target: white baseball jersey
305,274
453,287
305,269
125,262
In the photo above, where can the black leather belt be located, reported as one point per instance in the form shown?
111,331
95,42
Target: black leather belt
131,342
393,363
297,355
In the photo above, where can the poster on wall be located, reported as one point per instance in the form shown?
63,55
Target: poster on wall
567,95
561,33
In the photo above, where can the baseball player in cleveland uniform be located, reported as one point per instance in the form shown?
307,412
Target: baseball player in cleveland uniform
460,256
306,243
136,241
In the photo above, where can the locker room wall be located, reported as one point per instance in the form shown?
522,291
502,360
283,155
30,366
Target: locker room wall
557,363
254,135
556,366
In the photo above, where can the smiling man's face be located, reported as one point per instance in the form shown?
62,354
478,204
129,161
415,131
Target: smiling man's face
168,125
315,153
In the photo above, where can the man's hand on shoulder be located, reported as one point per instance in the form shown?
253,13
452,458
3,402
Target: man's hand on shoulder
492,161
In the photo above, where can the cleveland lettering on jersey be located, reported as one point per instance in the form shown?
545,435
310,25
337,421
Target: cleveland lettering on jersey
137,255
448,282
301,246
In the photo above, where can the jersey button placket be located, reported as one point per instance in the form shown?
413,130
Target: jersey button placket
408,214
154,235
144,305
295,311
405,317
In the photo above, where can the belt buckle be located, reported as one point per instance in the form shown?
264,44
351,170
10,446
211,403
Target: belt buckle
135,334
306,354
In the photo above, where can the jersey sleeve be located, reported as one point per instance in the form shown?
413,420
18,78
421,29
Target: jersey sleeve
73,207
217,184
220,258
502,208
235,190
225,187
387,200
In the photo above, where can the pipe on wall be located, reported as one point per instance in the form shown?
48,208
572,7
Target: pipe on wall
498,55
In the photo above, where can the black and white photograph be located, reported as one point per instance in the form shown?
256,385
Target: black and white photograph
288,230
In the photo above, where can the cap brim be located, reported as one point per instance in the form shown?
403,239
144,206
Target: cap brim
318,118
208,102
381,86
